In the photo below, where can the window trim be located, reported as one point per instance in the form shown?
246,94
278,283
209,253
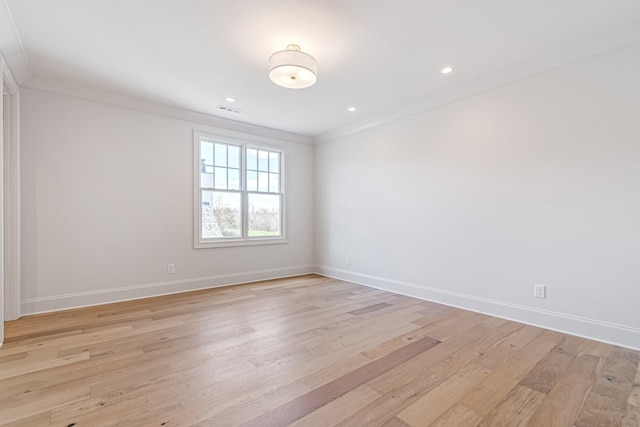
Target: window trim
246,240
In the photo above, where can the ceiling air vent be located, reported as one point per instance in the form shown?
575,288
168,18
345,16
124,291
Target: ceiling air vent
228,109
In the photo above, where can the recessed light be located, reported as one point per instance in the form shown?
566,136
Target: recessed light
351,109
446,70
229,99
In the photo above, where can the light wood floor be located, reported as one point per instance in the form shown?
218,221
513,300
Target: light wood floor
306,351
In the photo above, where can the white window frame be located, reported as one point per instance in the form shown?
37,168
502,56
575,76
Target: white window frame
244,239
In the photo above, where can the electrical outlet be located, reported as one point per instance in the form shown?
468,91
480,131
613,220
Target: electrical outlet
540,291
171,268
347,261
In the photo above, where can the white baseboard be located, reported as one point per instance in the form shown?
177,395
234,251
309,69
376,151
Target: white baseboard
624,336
105,296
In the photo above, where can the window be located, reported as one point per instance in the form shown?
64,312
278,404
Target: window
239,196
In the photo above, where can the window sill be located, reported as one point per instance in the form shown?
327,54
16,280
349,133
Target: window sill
235,243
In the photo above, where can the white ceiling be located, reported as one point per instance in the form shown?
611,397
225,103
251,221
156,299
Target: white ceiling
377,55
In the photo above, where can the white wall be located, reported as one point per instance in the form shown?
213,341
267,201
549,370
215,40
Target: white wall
107,204
469,204
472,203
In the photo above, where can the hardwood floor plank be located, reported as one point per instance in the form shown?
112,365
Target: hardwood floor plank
206,409
396,422
383,409
457,416
562,404
369,309
395,343
241,414
509,346
336,411
545,375
435,403
476,348
11,357
36,420
307,350
486,395
441,325
515,410
141,376
596,348
406,373
421,381
79,374
327,393
606,404
58,341
297,366
17,413
435,315
454,326
121,403
334,371
369,333
14,369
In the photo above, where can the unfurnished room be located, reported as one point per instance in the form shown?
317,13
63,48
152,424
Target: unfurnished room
320,213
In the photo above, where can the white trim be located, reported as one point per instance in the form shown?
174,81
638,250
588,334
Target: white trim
11,198
621,335
568,56
232,243
245,240
19,60
128,293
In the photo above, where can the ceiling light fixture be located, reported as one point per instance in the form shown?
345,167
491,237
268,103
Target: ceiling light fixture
351,109
293,68
229,99
446,70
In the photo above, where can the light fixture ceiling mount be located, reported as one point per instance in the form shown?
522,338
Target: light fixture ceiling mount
292,68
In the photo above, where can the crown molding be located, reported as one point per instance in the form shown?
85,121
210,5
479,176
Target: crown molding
11,46
226,126
559,59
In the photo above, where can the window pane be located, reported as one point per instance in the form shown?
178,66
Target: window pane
221,155
221,178
234,156
274,162
274,183
240,192
263,181
206,153
252,159
252,181
208,231
263,161
221,214
206,180
234,179
264,215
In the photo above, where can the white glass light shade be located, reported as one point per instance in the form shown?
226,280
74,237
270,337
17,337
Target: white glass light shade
292,68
